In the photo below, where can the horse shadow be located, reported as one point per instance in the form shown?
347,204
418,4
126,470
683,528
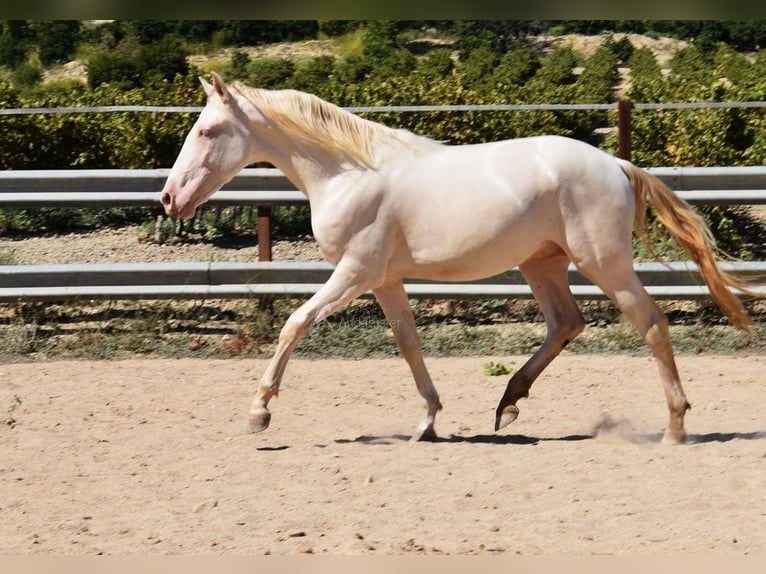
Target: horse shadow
527,440
497,439
726,437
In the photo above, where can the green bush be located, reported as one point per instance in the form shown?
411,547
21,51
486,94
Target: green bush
436,65
132,65
311,73
270,73
517,66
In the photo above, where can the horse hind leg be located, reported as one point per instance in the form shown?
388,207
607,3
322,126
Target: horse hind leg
547,278
620,283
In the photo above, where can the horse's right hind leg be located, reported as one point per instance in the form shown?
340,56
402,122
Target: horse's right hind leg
620,283
547,277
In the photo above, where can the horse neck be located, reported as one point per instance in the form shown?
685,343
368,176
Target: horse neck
307,164
307,167
307,171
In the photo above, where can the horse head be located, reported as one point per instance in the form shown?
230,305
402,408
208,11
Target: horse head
216,148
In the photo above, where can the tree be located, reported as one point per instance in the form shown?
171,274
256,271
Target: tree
14,35
597,80
131,65
149,31
379,40
239,64
557,69
56,39
622,48
253,32
398,63
353,69
334,28
479,65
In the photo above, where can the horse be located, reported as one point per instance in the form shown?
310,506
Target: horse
387,204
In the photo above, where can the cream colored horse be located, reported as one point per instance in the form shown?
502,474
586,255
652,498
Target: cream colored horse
387,205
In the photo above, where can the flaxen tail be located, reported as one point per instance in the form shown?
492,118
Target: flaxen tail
689,229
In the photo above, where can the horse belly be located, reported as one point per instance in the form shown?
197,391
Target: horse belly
464,264
466,240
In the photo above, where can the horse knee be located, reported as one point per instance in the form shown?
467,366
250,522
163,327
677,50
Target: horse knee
295,327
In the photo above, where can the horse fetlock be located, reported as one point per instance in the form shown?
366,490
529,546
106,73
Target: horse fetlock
259,420
505,415
433,407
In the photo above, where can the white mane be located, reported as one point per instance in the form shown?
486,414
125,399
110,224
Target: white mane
310,119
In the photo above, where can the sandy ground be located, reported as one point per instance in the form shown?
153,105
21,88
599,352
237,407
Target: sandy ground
151,457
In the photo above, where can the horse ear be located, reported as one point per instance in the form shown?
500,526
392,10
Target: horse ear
220,86
206,85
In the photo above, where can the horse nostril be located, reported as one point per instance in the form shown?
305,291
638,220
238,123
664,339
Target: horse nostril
165,198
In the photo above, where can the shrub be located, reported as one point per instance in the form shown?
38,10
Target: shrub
270,73
130,65
436,65
518,66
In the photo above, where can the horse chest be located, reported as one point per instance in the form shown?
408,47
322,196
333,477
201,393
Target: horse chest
346,220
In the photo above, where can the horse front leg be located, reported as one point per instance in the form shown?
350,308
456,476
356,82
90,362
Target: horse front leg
347,282
393,300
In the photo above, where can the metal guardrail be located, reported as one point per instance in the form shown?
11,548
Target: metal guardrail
102,188
269,187
216,280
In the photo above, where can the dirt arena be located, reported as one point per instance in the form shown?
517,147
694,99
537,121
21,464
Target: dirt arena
151,457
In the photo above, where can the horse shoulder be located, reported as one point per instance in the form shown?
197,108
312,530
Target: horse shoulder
346,207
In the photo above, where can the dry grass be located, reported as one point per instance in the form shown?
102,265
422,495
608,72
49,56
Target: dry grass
219,329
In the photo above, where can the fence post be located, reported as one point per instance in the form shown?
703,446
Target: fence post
264,224
264,233
624,108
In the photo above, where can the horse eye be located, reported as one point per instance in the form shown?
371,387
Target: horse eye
204,133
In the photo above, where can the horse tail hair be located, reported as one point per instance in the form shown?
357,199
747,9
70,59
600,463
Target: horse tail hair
688,228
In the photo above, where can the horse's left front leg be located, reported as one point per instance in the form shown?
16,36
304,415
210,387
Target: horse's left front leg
347,282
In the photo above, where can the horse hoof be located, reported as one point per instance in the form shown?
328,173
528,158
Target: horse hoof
259,421
426,435
674,438
506,416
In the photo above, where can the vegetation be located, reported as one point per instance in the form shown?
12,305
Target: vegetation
378,63
121,329
493,369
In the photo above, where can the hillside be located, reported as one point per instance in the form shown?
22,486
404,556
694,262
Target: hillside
585,46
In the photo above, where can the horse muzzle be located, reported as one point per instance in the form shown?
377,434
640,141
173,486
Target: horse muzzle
183,210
